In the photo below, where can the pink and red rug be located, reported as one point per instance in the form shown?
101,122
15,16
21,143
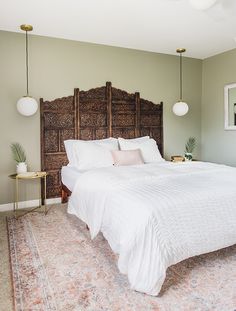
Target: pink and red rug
56,266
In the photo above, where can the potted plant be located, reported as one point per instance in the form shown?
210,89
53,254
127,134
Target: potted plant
20,157
189,148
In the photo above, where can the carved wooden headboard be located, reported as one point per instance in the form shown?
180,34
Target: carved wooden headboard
94,114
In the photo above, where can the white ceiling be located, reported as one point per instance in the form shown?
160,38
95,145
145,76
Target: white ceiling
151,25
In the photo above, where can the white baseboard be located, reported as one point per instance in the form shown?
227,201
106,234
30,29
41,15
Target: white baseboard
27,204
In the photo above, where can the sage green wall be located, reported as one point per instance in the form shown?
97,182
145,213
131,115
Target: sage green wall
57,66
218,145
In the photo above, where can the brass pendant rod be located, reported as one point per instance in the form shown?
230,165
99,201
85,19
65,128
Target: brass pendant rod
180,78
26,28
180,51
27,62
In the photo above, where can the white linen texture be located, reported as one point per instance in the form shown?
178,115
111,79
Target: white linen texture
155,215
69,176
89,155
75,147
137,139
148,147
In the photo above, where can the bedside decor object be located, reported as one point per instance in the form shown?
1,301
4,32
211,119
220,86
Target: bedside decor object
177,158
30,175
189,148
20,157
27,174
27,105
21,167
180,108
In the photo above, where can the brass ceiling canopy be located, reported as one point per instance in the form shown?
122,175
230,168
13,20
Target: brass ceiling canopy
26,27
181,50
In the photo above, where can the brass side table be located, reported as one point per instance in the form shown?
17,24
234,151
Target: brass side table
36,175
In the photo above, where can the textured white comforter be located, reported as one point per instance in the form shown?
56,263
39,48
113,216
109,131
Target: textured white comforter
155,215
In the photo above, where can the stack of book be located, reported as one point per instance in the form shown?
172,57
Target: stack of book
177,158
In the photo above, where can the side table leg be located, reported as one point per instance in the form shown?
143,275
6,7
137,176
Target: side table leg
45,194
14,204
40,194
16,198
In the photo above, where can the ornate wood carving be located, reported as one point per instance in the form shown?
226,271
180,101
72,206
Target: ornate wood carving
94,114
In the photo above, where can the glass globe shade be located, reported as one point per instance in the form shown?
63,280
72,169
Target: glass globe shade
202,4
27,106
180,108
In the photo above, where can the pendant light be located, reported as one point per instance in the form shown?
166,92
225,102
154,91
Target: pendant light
27,105
180,108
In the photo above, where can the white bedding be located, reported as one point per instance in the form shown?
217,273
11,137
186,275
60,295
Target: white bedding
155,215
69,176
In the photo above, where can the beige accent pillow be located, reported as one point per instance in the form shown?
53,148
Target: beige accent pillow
127,157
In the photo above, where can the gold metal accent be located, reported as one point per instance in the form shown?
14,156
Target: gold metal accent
39,175
181,50
26,27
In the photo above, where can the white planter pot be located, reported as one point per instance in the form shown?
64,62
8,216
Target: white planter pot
21,167
188,156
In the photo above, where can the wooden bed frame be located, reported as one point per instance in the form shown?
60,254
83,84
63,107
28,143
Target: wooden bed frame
94,114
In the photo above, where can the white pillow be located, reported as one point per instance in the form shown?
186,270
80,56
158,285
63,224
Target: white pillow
111,143
138,139
149,149
89,155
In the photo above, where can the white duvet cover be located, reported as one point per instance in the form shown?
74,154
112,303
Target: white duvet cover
155,215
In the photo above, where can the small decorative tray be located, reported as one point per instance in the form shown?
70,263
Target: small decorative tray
27,175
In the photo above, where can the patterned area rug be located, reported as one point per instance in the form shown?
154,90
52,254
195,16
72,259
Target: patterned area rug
56,266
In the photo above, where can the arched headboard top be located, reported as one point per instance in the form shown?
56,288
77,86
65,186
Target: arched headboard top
94,114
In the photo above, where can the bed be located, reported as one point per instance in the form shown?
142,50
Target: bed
97,113
156,215
152,215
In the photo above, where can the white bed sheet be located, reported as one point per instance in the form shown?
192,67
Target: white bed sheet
69,176
155,215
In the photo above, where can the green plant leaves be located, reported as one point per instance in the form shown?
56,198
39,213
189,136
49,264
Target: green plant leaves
190,145
18,152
